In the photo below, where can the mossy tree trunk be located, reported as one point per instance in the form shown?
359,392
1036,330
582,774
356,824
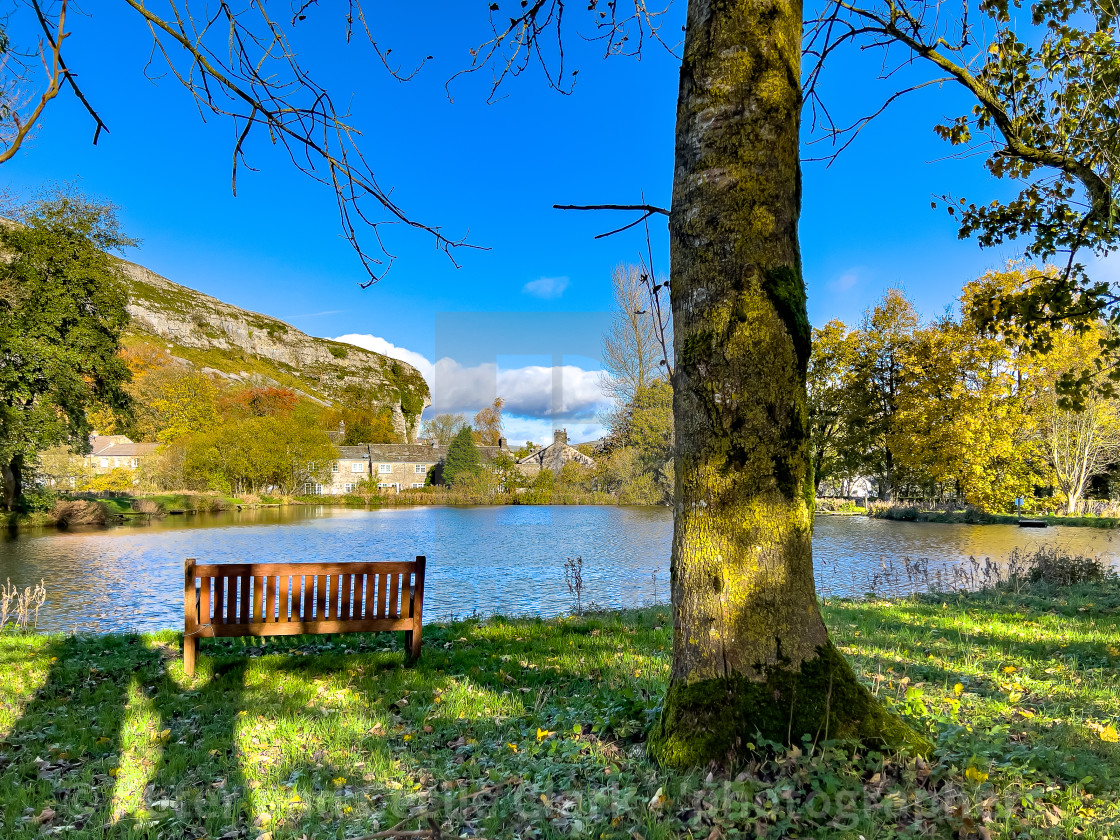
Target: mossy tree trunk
750,649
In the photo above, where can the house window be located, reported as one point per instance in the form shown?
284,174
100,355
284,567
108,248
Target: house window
315,489
349,488
385,468
357,467
136,463
417,486
104,463
334,467
420,469
385,486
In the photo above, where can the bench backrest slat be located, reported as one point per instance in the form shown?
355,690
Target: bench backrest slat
229,596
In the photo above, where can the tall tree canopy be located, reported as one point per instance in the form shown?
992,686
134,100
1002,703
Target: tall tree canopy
61,314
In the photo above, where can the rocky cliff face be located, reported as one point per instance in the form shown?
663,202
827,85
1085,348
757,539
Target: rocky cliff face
248,347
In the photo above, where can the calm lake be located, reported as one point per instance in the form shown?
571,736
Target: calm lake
480,559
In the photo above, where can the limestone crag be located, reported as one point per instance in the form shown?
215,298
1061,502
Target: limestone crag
244,346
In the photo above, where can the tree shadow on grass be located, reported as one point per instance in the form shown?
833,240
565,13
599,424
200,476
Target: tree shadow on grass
195,777
60,759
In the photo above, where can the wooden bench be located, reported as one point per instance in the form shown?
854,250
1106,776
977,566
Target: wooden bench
288,599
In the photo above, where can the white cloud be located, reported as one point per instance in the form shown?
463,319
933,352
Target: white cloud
380,345
528,391
546,288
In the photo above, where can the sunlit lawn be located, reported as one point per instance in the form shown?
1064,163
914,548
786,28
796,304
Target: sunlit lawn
534,728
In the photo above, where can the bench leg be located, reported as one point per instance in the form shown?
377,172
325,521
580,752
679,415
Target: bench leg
412,645
190,654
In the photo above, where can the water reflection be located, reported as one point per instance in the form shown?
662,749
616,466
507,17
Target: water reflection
484,559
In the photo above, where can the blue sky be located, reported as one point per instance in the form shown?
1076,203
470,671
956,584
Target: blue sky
490,172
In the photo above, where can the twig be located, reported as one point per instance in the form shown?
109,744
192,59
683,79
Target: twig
648,208
57,74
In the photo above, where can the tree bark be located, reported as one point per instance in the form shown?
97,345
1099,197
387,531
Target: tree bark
750,650
11,474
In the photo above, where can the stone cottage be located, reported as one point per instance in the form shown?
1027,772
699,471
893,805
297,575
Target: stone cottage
554,456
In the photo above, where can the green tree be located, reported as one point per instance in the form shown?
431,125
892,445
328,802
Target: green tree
751,653
281,453
62,310
882,344
1043,87
463,462
830,392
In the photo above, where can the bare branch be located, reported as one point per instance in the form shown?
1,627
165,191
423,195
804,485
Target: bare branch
56,76
258,82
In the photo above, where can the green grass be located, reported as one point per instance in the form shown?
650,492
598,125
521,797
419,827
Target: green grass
908,513
525,727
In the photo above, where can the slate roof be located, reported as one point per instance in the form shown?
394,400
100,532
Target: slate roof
422,453
99,442
128,450
354,453
412,453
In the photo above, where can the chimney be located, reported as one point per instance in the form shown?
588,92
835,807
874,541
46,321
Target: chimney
502,443
560,436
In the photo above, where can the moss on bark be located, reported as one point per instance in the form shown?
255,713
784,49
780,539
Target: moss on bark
750,650
715,719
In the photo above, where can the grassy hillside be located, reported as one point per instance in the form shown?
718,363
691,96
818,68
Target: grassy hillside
259,349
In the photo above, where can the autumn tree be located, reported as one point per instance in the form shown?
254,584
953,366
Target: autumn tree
1080,441
442,428
962,423
62,310
362,423
488,424
173,401
257,401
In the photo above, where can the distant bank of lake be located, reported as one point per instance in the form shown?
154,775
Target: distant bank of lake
505,559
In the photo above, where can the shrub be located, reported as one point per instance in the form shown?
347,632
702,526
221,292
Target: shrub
80,512
1059,567
210,504
148,506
